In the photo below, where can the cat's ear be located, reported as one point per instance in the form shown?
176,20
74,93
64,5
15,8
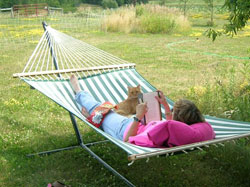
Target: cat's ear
129,88
139,86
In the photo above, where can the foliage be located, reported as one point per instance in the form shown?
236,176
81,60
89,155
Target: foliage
184,6
211,33
94,2
135,1
120,2
120,20
67,5
239,16
139,10
109,4
156,23
210,4
240,13
163,2
8,3
146,19
231,94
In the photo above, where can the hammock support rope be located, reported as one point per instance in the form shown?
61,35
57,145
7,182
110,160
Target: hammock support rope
106,77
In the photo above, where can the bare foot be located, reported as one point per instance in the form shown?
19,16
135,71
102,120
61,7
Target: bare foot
75,84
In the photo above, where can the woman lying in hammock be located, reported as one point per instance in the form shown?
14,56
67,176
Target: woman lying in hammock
184,126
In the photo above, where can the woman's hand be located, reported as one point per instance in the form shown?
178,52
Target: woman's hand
141,110
161,99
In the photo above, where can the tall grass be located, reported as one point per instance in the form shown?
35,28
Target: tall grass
146,19
121,20
229,97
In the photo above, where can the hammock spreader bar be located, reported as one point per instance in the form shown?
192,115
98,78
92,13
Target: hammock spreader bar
73,70
106,77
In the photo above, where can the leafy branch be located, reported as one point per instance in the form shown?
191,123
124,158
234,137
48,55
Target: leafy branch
239,16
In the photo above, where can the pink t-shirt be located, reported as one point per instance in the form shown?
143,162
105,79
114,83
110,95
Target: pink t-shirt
170,133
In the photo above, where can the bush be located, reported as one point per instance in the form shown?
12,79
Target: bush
120,2
68,8
157,23
146,19
109,4
122,20
229,97
139,10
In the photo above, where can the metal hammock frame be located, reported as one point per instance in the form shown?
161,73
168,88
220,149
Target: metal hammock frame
105,76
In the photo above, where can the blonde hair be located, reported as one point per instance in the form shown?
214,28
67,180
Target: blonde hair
186,111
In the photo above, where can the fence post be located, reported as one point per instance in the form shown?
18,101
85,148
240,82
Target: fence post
87,22
12,12
36,8
104,20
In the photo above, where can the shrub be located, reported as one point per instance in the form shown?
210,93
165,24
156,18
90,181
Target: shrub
230,98
146,19
68,8
120,2
109,4
139,10
120,21
157,23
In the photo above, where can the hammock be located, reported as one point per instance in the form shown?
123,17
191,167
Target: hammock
106,77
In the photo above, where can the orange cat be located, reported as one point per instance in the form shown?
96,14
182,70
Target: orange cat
128,106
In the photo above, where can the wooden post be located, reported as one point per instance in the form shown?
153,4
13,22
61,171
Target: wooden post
12,13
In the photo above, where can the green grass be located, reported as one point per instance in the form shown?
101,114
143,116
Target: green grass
30,122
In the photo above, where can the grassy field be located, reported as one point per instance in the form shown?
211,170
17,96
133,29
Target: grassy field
215,75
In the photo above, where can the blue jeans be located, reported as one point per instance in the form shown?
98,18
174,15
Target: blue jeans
113,123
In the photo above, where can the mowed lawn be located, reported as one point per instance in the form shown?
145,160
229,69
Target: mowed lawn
30,122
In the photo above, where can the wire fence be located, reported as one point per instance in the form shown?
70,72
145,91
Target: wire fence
22,28
25,32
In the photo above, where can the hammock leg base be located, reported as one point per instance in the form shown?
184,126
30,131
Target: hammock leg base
106,165
65,148
86,147
53,151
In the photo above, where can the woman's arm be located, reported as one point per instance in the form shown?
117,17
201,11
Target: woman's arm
141,110
162,100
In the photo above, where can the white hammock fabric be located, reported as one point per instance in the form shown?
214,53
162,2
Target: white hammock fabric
106,77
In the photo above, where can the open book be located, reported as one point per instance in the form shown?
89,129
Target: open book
154,108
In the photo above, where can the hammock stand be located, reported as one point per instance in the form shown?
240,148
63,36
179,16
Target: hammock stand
106,77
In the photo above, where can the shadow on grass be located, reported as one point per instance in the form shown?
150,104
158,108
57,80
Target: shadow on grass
214,167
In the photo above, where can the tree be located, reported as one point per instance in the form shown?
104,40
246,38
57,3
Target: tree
120,2
184,7
210,4
135,1
239,16
109,4
240,13
8,3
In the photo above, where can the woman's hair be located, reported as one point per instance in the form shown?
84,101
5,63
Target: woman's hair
187,112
